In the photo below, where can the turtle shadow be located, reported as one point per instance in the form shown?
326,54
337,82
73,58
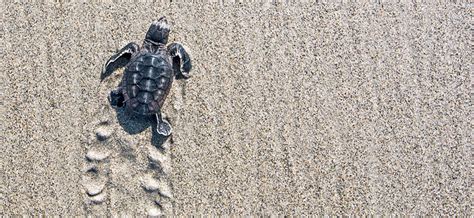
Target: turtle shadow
131,123
135,124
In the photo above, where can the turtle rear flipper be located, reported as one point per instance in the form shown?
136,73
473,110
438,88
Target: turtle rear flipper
162,126
116,98
119,60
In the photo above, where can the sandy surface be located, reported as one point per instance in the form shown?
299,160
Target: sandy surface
300,109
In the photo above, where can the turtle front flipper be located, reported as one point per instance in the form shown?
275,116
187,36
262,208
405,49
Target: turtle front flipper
120,59
180,58
162,126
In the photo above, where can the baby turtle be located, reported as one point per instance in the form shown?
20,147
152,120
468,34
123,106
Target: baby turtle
149,72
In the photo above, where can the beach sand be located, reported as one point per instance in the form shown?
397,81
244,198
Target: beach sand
353,108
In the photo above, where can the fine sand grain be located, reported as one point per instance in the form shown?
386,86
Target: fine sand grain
351,108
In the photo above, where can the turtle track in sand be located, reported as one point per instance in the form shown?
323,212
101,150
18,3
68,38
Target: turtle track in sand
126,163
97,166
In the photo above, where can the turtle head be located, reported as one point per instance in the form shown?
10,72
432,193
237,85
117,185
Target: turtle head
158,31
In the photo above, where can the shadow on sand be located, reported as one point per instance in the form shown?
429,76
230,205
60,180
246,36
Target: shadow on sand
134,124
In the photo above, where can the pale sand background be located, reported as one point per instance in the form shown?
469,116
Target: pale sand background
323,108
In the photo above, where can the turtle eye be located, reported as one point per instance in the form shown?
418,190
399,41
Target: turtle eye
162,19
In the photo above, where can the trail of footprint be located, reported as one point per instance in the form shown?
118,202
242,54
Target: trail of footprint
97,166
99,143
155,181
123,171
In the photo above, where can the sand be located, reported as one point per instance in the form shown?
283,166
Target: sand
332,108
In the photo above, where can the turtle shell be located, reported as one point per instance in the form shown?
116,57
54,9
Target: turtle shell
147,82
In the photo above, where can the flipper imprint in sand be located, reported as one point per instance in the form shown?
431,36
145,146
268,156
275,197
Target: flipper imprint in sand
126,163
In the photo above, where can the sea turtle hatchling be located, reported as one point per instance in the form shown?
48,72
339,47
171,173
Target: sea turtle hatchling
149,73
